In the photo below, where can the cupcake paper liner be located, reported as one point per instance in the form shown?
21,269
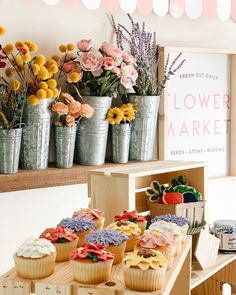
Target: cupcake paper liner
145,280
87,272
169,252
118,251
63,250
29,268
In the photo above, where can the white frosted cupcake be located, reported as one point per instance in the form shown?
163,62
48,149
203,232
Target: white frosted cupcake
93,214
145,270
35,259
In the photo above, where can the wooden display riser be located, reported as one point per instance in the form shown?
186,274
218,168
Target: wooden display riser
61,282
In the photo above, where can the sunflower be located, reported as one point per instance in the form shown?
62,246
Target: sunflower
129,106
115,116
129,115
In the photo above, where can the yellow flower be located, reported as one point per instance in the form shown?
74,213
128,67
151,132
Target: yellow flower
33,47
33,100
43,73
53,69
70,47
21,68
50,62
31,82
74,77
8,49
41,94
18,43
26,58
17,60
114,116
43,85
52,83
9,72
129,115
56,58
2,30
62,48
49,93
129,106
55,92
40,60
36,69
15,85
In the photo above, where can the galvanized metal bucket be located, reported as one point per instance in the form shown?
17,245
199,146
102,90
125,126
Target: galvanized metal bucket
10,142
91,138
64,145
120,143
143,128
36,135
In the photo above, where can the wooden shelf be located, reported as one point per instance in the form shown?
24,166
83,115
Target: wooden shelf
62,280
200,276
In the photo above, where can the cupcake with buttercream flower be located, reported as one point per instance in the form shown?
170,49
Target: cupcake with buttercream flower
80,226
93,214
35,259
91,264
133,216
64,239
145,270
129,229
113,240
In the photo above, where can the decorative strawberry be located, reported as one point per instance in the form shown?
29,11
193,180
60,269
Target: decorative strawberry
173,198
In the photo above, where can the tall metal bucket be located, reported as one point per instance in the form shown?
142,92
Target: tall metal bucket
91,138
120,143
10,142
36,135
143,128
64,145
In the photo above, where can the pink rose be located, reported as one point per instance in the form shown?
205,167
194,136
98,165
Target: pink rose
128,58
117,71
84,45
69,67
97,73
108,63
91,61
112,51
128,76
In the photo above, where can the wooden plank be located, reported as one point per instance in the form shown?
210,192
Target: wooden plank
233,117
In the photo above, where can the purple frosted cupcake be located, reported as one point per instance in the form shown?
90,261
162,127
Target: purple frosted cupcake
114,241
80,226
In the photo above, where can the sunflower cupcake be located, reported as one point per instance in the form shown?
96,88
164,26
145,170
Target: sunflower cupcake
63,239
133,216
128,228
91,264
35,259
80,226
145,270
114,241
93,214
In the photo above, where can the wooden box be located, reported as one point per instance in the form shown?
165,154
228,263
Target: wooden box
123,187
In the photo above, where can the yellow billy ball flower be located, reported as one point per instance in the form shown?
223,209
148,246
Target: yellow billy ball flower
51,62
18,43
53,69
56,58
15,85
55,92
40,60
41,94
28,43
17,60
70,47
21,68
32,46
9,72
33,100
36,69
26,58
2,30
62,48
43,73
8,49
52,83
43,85
49,93
74,77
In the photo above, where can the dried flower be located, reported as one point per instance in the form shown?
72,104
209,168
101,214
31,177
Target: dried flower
60,108
86,111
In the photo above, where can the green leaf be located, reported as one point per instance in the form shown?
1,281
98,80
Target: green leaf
93,257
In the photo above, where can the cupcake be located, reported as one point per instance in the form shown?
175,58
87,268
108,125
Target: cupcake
145,270
133,216
162,242
80,226
171,228
91,264
113,240
178,220
63,239
35,259
128,228
93,214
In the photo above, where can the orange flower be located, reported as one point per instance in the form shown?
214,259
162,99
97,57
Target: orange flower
70,120
68,97
74,108
86,111
60,108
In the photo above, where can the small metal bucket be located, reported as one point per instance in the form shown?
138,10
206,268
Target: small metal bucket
36,135
91,138
64,145
143,128
10,142
120,143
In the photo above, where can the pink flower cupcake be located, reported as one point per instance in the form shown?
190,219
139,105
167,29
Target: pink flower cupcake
93,214
133,216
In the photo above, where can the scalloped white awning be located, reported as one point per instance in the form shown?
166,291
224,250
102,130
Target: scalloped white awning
194,9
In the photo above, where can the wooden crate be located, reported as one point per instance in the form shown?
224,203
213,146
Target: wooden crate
123,188
62,283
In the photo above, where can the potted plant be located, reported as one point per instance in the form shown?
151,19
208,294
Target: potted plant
147,92
95,74
68,114
120,118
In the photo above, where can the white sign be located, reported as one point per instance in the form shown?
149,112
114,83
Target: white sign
199,111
